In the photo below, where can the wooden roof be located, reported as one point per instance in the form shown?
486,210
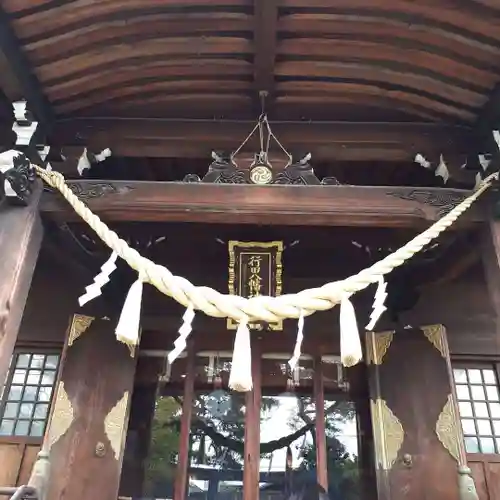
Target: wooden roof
430,61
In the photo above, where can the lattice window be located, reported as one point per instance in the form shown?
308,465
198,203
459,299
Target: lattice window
26,397
479,406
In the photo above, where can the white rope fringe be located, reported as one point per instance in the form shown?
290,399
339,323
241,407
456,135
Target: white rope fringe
240,378
129,324
351,352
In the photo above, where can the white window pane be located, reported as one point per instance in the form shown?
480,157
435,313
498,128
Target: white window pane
460,375
26,410
19,377
41,410
468,426
495,410
29,393
474,376
11,410
52,361
23,361
465,409
22,428
477,392
484,427
15,393
471,445
492,393
44,393
481,410
487,445
496,427
489,377
37,428
48,377
463,392
37,361
7,428
34,377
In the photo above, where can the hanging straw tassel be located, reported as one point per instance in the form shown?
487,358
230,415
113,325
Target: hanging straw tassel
127,330
240,378
350,343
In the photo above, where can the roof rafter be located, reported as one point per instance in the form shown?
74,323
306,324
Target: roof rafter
265,47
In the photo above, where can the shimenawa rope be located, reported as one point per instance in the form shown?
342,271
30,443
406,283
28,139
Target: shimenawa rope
268,309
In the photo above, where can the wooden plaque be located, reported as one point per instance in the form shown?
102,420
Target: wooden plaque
255,269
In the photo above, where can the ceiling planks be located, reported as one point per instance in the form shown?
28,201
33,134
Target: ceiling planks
377,60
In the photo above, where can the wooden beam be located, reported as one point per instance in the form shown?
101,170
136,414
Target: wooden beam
250,204
17,78
326,140
20,239
265,43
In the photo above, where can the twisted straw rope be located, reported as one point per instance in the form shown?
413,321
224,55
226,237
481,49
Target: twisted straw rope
269,309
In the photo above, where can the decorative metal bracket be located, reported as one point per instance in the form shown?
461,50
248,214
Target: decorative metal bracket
17,178
224,170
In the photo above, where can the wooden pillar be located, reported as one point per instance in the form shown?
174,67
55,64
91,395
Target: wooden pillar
417,437
89,420
20,239
182,474
319,398
251,466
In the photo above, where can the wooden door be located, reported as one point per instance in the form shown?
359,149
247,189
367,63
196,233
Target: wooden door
415,423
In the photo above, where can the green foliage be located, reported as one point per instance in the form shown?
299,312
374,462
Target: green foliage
163,450
225,414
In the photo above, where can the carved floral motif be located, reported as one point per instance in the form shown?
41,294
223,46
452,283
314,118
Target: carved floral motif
114,424
435,335
447,429
79,326
62,417
92,190
388,434
444,201
377,346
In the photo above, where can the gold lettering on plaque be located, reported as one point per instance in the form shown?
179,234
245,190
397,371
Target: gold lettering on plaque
255,269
